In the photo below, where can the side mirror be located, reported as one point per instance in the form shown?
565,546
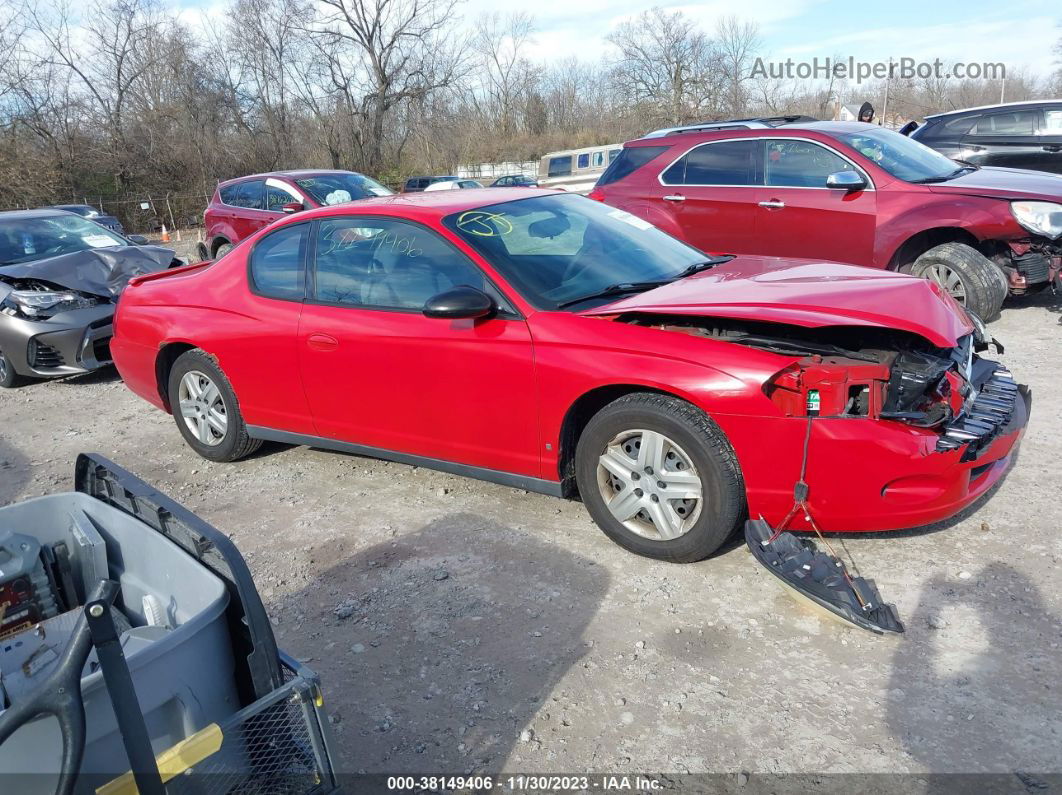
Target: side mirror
846,180
138,240
460,302
292,207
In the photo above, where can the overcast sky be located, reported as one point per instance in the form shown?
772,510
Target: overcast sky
1018,33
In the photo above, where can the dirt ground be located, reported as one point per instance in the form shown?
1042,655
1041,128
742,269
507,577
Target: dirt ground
462,626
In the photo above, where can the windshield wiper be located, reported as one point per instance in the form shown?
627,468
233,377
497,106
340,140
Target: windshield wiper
704,265
944,177
621,288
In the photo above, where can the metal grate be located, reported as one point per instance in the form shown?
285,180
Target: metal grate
269,750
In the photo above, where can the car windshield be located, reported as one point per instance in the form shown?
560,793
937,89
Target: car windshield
902,157
29,239
564,251
326,189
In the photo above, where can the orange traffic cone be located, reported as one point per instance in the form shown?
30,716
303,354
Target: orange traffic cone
165,234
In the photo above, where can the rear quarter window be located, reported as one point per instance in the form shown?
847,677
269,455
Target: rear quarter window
227,194
277,263
629,160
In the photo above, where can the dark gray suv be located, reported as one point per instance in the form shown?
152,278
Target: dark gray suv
1015,135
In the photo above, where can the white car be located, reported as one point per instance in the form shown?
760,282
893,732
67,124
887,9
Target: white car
454,184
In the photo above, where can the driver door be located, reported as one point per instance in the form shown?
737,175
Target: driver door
378,373
801,217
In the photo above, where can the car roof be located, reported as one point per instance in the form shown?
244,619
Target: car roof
1003,106
296,174
431,204
43,212
784,131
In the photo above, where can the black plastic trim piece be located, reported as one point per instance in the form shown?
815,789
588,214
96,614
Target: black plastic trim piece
254,646
525,482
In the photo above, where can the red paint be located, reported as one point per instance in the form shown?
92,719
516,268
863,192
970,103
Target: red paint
866,227
494,393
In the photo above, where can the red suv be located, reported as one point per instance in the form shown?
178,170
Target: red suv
847,192
240,207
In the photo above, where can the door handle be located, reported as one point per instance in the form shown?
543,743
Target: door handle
322,342
773,204
675,197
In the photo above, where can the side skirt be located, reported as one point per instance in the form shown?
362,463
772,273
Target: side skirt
525,482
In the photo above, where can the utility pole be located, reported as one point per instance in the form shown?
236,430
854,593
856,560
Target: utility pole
885,106
1002,89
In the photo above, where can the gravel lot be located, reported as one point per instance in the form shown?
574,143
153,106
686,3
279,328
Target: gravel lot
464,626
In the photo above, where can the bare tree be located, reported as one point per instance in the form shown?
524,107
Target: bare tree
736,43
506,77
667,64
381,53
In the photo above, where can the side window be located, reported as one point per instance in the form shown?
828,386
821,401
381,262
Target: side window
1012,123
584,161
250,195
560,166
228,194
386,264
598,160
723,163
1052,123
276,198
277,263
613,154
801,164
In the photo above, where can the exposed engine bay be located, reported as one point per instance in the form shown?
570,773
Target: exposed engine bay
874,373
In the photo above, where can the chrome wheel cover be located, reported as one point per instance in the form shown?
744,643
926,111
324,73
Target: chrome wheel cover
202,408
649,483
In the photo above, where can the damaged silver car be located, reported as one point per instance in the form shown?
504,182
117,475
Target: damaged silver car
60,278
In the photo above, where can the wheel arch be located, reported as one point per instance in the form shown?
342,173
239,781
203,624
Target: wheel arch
921,242
581,411
164,360
217,242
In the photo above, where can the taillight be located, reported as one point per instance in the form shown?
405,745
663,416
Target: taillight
596,194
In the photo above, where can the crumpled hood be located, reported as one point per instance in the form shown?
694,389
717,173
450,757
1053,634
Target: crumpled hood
1005,183
101,271
806,293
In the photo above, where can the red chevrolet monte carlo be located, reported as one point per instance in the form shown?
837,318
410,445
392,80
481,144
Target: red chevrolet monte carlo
547,341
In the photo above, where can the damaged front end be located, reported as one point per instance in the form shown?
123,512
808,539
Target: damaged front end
878,374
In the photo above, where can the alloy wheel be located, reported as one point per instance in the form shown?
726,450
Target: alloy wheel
3,367
203,408
649,483
947,278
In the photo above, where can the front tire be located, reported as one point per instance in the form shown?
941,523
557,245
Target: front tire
660,478
8,377
222,250
205,408
966,274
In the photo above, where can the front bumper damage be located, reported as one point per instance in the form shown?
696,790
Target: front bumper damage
65,344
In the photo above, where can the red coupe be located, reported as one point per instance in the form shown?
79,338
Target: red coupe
549,342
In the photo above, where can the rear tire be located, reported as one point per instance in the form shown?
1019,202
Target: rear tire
8,377
640,450
205,408
970,277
